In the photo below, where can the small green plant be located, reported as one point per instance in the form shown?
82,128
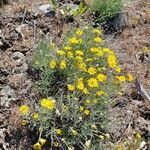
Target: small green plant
105,9
79,79
54,3
81,10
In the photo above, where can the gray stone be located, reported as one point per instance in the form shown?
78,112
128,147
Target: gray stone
18,55
45,8
20,63
7,95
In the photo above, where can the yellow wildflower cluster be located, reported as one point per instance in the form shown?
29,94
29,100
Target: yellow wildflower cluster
90,71
89,63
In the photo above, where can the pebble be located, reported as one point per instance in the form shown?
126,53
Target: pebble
45,8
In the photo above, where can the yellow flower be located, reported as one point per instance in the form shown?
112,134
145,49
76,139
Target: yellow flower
112,61
74,132
94,49
120,147
121,78
95,101
88,144
67,48
91,70
60,52
94,126
52,64
92,82
106,50
73,40
99,53
70,87
40,129
79,32
35,116
87,112
138,136
81,108
85,91
129,77
118,69
58,131
70,148
97,31
70,54
37,146
65,108
23,122
56,144
82,66
63,64
87,101
80,84
101,77
79,52
42,141
99,93
48,103
97,39
79,58
24,109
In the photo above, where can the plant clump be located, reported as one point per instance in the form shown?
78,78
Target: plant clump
78,82
105,9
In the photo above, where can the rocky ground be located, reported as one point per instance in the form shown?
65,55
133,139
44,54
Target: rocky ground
23,23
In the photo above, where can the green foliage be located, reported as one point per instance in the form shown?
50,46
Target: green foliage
40,61
54,3
105,9
81,10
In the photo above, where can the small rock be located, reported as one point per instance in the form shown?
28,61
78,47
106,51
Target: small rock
20,62
18,55
138,103
7,95
45,8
